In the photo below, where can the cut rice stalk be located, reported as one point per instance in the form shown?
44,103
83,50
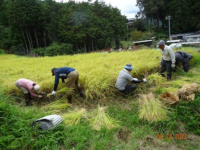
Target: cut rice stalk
151,109
157,80
65,90
74,117
100,119
57,105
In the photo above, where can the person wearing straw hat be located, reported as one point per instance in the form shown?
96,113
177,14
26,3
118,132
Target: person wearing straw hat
124,77
72,77
183,58
168,59
29,88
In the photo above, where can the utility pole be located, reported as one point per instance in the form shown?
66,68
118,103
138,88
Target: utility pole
168,18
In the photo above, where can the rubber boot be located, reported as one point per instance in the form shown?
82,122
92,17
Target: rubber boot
69,97
169,76
163,75
80,92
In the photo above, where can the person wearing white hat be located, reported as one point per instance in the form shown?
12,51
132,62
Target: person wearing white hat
124,77
168,59
29,88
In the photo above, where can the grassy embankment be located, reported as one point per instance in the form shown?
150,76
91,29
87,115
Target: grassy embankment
98,73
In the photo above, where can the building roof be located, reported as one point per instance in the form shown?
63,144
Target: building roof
144,41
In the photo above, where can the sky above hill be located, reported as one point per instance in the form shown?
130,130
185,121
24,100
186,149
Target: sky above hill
127,7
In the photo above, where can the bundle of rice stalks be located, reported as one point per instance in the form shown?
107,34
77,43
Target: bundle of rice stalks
57,106
151,109
99,119
65,90
156,80
74,117
60,92
169,98
187,92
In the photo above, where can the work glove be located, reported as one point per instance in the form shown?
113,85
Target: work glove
173,65
144,80
136,79
53,92
39,96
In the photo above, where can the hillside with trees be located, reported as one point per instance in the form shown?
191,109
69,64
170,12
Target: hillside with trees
46,27
184,14
82,27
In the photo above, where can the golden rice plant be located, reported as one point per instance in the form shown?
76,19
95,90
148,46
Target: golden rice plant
99,119
74,117
156,80
65,90
57,106
170,89
97,71
151,109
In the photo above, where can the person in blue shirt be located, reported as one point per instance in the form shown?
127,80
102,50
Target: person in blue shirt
72,77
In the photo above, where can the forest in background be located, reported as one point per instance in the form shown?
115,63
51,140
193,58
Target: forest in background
26,25
50,28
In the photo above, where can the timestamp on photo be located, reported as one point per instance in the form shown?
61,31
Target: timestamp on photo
178,136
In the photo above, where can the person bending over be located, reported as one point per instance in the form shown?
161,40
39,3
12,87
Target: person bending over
29,88
183,58
72,77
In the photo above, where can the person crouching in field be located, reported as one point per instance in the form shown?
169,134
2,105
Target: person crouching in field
29,88
168,59
72,77
182,57
123,79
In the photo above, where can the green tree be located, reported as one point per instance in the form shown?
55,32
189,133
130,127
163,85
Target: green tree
180,12
152,9
194,15
39,23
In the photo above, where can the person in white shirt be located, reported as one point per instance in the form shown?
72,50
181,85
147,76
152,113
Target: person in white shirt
123,79
168,59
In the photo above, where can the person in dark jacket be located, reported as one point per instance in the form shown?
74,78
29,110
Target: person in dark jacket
72,77
123,79
183,58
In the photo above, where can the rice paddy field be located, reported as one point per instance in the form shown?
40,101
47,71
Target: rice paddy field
104,118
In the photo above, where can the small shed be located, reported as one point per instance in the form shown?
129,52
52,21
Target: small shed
145,42
174,41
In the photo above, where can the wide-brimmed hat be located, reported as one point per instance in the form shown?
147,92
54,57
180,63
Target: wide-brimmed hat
128,66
